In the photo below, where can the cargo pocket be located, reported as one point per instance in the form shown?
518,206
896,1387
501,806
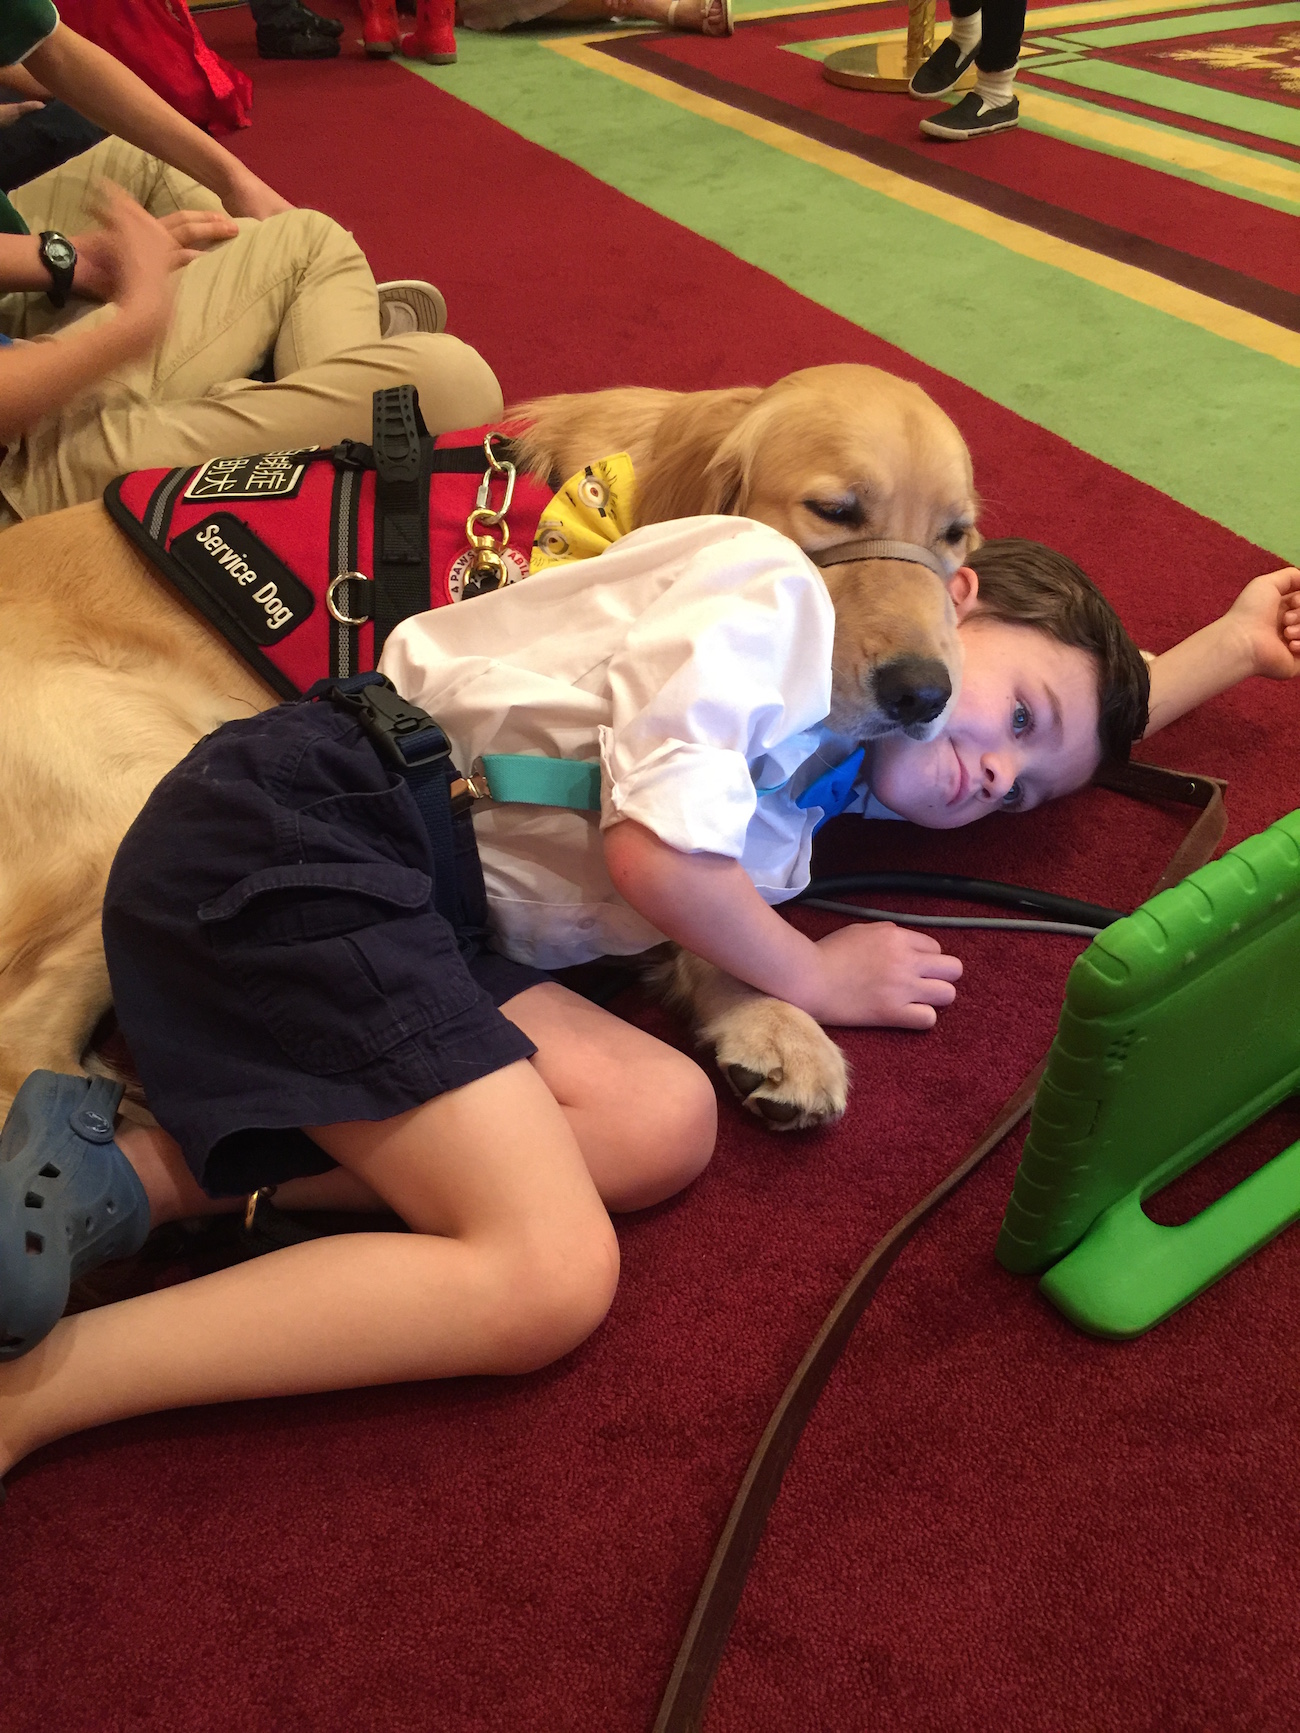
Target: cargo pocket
340,961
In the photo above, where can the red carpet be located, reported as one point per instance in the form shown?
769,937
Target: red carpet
1202,237
992,1522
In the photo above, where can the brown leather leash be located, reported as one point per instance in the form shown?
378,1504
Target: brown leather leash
686,1698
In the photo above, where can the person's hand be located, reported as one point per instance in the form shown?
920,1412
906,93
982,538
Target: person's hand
878,973
246,196
129,249
188,232
195,231
12,111
134,256
1267,616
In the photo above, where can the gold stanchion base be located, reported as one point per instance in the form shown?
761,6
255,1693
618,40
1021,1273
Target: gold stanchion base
874,66
878,66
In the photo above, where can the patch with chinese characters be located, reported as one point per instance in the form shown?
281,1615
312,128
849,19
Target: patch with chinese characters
245,576
273,474
516,568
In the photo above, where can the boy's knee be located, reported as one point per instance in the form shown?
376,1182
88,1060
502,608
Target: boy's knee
302,234
672,1131
457,387
553,1298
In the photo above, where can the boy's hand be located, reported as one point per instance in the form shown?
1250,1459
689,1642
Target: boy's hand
881,974
1267,614
133,256
12,111
195,231
171,241
877,974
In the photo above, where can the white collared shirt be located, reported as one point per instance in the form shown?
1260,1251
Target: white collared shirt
693,660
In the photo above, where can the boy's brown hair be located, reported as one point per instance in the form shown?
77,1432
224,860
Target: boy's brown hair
1026,584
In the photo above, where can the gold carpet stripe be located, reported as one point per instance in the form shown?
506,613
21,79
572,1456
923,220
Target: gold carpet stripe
1271,176
1231,323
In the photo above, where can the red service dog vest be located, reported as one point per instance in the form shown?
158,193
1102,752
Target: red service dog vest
306,560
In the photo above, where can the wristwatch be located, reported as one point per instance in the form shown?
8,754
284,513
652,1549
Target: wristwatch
59,257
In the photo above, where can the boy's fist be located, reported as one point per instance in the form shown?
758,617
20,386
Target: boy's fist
1267,613
883,974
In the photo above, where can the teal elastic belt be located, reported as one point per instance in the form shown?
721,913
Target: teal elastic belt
529,781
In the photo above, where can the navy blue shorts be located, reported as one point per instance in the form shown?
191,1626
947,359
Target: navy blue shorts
275,954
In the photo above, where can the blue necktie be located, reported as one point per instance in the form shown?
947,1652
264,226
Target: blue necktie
833,790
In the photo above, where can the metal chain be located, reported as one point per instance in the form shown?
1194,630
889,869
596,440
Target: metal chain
487,569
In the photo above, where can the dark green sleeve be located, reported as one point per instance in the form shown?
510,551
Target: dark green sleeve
10,222
24,25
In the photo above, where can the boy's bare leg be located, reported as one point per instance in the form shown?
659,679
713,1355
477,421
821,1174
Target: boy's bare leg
644,1116
513,1261
512,1264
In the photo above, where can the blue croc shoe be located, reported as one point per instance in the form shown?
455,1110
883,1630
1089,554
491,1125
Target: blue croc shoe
69,1200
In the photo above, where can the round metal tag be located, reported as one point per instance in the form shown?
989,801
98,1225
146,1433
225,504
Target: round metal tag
516,564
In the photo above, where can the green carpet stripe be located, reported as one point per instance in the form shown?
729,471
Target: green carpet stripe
1221,107
1199,24
1206,421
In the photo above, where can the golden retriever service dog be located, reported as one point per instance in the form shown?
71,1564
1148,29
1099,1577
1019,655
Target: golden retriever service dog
107,678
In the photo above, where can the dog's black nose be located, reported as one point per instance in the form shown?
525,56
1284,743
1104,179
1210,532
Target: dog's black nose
912,690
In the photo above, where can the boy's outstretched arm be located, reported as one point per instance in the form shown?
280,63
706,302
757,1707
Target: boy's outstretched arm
90,80
1259,634
876,974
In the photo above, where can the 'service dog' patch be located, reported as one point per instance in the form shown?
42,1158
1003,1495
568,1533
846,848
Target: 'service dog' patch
250,581
273,475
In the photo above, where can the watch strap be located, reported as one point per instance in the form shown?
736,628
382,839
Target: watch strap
60,275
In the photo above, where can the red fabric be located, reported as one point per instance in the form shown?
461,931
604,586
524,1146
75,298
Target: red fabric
1199,221
296,528
160,43
993,1522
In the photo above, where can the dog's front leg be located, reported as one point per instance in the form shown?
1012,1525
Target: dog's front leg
781,1063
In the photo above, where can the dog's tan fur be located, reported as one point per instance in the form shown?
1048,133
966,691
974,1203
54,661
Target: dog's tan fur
107,679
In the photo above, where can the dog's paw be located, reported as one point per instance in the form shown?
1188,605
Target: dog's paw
783,1066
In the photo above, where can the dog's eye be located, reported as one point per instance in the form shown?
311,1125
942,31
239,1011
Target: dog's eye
956,533
835,511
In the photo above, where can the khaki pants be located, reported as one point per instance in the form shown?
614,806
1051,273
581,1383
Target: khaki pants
295,287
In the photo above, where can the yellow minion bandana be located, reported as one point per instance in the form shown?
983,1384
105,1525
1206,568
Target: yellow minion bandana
590,512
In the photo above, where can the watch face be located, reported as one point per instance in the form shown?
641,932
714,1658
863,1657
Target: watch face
61,254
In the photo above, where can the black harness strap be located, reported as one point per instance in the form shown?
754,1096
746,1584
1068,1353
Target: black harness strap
403,464
409,741
346,596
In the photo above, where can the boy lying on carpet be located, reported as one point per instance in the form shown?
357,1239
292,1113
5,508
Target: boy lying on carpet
280,959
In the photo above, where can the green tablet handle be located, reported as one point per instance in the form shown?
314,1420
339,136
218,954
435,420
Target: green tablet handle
1128,1272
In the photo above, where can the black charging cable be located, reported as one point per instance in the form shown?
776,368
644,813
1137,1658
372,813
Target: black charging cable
1049,913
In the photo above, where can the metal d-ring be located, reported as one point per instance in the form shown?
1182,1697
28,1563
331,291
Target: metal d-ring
334,610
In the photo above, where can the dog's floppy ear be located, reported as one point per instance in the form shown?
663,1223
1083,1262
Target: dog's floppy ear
688,473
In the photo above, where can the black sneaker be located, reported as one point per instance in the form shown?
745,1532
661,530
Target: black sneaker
937,75
971,119
316,21
286,42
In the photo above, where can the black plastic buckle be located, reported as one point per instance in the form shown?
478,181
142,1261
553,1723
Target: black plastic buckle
395,725
353,454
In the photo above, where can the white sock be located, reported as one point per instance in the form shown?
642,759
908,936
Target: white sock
994,89
966,33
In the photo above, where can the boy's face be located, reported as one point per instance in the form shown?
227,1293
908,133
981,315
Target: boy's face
1023,730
